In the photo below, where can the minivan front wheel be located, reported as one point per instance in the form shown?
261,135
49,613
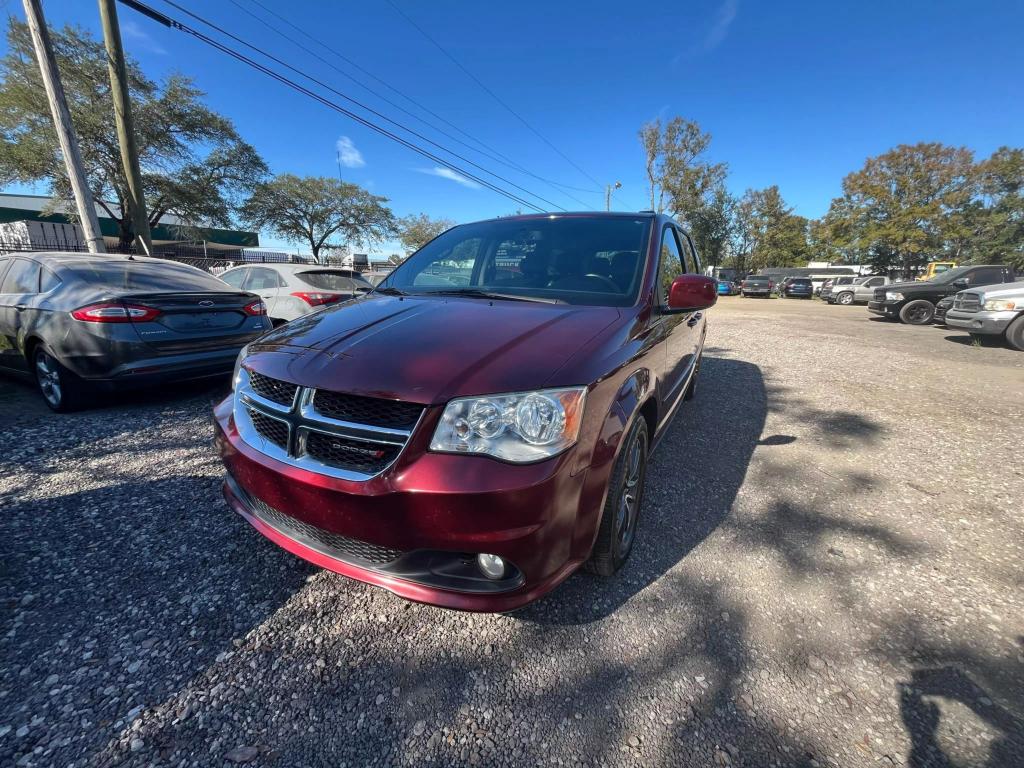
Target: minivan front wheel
622,507
61,389
918,312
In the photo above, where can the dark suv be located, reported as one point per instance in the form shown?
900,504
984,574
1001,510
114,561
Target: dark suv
914,302
479,426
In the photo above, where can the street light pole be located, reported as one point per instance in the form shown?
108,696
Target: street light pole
123,120
608,194
62,125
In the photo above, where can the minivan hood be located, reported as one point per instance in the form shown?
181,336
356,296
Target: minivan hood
429,349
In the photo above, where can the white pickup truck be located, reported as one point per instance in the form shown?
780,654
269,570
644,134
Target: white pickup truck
991,310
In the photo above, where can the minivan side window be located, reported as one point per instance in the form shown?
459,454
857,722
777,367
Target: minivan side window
689,258
22,277
670,264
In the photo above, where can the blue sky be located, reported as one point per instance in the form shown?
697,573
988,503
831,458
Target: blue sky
794,94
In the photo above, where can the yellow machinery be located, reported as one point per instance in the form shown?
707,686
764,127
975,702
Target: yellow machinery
936,268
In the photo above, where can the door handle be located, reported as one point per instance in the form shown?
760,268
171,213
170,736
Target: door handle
694,319
21,307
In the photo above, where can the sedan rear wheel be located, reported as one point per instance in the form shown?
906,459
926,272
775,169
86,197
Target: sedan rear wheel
61,389
621,514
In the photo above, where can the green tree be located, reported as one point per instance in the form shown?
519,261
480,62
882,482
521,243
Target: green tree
417,230
321,212
710,226
680,178
999,231
767,233
909,205
195,165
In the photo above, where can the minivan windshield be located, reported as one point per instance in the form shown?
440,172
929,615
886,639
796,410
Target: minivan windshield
590,260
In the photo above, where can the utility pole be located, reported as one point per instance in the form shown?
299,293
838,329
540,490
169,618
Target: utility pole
123,120
608,194
62,125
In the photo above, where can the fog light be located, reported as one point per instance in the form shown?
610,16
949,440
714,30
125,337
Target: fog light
492,566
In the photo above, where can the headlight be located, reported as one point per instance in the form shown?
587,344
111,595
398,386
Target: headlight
520,427
238,364
893,296
998,305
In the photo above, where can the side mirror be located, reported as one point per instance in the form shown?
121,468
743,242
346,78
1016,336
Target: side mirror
689,292
961,283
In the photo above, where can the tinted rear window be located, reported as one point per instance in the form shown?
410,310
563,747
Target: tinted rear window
146,276
757,279
800,281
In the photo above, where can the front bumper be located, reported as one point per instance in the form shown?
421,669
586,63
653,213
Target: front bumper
984,322
430,514
884,308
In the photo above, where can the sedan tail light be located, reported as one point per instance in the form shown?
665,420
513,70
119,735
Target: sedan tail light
115,312
315,299
255,308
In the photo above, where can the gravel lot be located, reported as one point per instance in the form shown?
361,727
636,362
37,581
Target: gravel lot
828,573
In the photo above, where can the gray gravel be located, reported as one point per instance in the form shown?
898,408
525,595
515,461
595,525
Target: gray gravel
828,573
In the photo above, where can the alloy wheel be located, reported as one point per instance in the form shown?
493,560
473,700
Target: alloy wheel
629,498
48,376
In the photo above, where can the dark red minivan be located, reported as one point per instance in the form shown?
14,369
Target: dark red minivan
478,427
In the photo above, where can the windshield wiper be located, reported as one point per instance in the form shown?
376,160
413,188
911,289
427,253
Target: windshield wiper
390,291
478,293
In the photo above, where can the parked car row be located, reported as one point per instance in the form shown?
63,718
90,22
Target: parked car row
985,300
78,323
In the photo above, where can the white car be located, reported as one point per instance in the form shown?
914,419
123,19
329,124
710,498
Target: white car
292,290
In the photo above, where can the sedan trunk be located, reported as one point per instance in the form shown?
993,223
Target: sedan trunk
193,321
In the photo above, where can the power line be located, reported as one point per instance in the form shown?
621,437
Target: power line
359,104
488,151
491,93
168,21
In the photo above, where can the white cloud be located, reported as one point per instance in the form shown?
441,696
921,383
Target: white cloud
133,31
715,34
720,28
349,156
448,173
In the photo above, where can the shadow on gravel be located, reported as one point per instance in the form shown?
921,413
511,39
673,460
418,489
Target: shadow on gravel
921,703
692,481
108,587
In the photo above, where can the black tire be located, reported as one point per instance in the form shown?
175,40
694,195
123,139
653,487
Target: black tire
845,298
917,312
619,520
691,387
1015,334
61,389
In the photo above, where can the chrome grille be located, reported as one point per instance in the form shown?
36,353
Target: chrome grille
375,411
337,451
335,543
269,428
967,302
278,391
347,436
